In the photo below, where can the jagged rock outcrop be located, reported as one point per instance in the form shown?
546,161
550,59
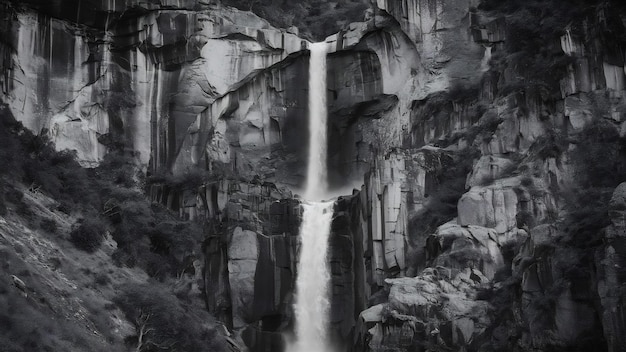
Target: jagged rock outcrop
610,266
142,77
350,289
595,64
251,260
440,30
500,205
438,308
515,185
395,192
549,278
411,94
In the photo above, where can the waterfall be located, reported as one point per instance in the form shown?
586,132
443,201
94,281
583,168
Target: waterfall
316,172
312,301
484,64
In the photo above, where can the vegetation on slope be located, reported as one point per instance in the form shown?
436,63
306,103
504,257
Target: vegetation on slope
595,160
532,53
316,19
572,169
56,224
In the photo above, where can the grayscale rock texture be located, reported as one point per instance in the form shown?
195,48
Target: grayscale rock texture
458,168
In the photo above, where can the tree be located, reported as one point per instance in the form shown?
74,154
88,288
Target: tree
163,323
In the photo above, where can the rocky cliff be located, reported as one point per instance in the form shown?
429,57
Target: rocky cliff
477,146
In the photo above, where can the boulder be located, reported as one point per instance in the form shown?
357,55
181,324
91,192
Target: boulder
457,247
487,169
493,206
426,311
433,309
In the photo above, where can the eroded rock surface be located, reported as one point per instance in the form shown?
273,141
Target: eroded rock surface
611,272
412,93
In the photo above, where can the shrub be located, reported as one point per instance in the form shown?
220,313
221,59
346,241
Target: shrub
33,160
463,93
533,30
117,168
102,279
599,164
599,155
10,146
487,127
157,266
28,324
524,218
3,206
124,258
162,322
24,211
550,145
442,204
314,18
527,181
88,236
48,225
13,195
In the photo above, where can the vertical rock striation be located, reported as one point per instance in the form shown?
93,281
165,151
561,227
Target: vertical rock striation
458,154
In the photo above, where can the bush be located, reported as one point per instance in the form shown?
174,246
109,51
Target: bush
3,207
29,324
124,258
162,322
9,194
33,160
599,155
158,266
102,279
48,225
442,204
13,195
550,145
89,234
463,93
10,145
524,219
533,30
599,164
315,19
24,211
486,128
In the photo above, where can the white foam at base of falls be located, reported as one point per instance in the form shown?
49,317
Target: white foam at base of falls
312,305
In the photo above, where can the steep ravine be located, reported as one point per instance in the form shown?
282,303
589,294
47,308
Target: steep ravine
478,145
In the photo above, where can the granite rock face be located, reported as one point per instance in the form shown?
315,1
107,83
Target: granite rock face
506,227
610,259
216,99
157,66
433,309
440,30
250,261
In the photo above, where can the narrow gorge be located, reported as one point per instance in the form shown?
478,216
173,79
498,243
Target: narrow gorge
313,175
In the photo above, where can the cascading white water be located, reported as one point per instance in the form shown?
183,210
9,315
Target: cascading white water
316,172
484,64
312,301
